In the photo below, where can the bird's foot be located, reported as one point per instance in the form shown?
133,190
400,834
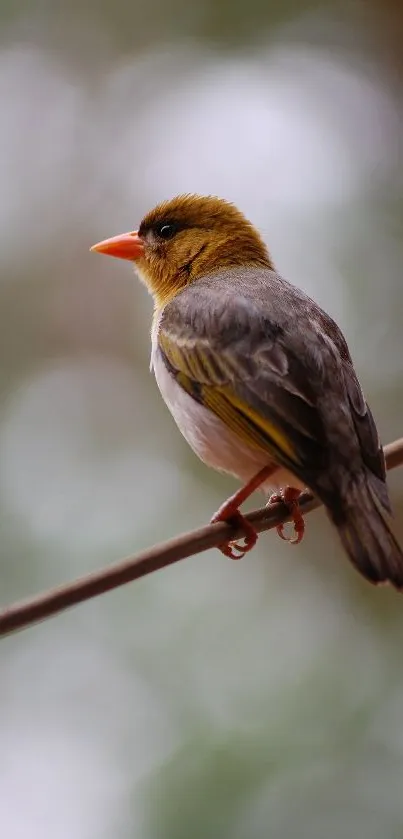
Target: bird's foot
229,512
235,550
289,496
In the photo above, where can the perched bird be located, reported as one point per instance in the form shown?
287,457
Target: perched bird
258,377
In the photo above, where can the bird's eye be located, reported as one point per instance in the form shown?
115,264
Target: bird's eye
166,230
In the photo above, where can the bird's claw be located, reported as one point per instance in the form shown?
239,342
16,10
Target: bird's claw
236,550
289,496
229,512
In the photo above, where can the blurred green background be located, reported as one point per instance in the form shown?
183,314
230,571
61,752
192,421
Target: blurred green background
213,700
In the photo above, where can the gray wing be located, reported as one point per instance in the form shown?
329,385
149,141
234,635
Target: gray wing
250,337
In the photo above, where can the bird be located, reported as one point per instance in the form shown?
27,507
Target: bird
259,378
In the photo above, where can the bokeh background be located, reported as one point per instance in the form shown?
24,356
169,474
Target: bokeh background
213,700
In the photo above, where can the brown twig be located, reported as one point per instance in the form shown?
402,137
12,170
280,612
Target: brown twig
25,613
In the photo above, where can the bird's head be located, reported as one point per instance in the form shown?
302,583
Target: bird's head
184,239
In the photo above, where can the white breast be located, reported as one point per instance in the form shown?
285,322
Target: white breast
209,437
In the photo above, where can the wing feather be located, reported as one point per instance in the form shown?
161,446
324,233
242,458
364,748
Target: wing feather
255,398
275,368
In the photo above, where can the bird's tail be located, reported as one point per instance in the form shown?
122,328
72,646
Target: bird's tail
364,528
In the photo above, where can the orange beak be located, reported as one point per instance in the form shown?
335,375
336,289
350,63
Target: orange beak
126,246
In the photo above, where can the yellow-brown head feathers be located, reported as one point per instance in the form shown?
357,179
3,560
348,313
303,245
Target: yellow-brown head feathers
199,211
188,237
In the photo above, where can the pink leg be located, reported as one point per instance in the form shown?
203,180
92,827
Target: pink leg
289,497
229,512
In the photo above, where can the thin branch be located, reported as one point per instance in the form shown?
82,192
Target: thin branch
25,613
